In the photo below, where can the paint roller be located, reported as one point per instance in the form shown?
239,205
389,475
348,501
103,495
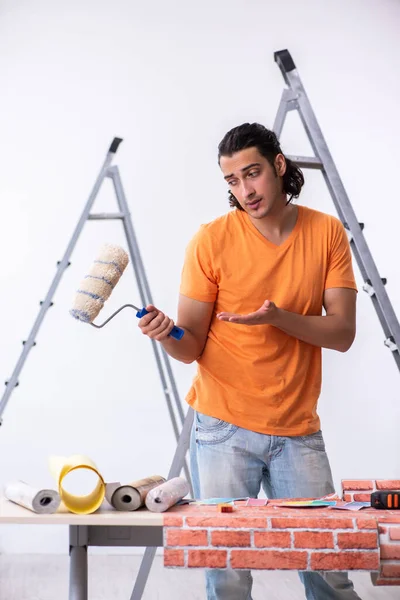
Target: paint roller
98,284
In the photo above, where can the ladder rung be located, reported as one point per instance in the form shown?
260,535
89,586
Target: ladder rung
99,216
308,162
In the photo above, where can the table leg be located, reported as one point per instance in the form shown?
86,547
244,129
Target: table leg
78,566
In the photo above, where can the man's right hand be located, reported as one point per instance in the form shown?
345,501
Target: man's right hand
194,318
156,325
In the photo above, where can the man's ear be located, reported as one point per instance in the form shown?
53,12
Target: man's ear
280,165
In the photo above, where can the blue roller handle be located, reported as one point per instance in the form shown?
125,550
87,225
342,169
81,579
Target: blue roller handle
176,333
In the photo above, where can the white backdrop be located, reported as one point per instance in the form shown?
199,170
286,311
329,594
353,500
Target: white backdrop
171,79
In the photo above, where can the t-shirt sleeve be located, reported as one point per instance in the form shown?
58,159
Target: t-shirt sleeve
340,266
198,280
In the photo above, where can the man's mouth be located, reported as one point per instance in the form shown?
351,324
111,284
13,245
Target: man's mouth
254,203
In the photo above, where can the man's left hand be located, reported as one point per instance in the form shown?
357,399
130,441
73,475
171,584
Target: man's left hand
266,315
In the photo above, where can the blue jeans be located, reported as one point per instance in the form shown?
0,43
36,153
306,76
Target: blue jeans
228,461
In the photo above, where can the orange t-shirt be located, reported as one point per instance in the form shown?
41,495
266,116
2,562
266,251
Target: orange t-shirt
258,377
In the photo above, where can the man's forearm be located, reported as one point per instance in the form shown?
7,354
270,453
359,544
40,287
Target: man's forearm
329,331
185,350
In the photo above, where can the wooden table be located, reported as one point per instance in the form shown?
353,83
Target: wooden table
106,527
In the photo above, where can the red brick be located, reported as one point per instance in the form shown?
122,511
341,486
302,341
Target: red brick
272,539
174,558
362,497
382,529
213,559
268,559
187,537
391,552
172,521
304,539
389,516
381,581
394,533
367,523
312,523
225,521
357,484
329,561
390,571
348,497
362,541
388,484
230,538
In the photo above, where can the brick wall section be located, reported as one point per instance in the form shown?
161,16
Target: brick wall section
271,537
274,537
361,489
389,526
389,544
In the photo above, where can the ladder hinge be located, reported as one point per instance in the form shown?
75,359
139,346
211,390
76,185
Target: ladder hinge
367,287
348,231
391,344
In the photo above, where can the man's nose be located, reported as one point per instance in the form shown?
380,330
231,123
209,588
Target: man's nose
248,189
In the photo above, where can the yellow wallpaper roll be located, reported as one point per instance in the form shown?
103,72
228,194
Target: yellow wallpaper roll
60,467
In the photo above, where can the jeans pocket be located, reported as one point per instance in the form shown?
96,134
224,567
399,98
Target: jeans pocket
210,430
314,441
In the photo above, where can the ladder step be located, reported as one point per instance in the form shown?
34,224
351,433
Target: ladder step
42,301
100,216
59,263
307,162
24,342
16,385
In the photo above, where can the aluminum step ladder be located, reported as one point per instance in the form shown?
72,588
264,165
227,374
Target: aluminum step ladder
162,359
294,97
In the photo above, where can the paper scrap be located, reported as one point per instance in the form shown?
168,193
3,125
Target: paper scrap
353,506
257,502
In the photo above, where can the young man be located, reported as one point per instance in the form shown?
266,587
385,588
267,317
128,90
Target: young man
254,284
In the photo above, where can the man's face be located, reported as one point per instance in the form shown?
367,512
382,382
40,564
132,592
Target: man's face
253,181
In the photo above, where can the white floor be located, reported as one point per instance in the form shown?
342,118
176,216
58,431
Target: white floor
44,577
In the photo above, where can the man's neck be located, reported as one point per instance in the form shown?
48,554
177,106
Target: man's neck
277,225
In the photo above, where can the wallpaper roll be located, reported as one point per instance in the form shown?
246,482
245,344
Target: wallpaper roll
42,501
132,495
162,497
61,466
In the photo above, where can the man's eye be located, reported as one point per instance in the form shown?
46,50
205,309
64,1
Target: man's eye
253,173
231,183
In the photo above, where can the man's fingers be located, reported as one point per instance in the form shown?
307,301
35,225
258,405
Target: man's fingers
147,319
168,326
159,327
164,329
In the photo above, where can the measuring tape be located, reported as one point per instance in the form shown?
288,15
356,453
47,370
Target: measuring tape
386,500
